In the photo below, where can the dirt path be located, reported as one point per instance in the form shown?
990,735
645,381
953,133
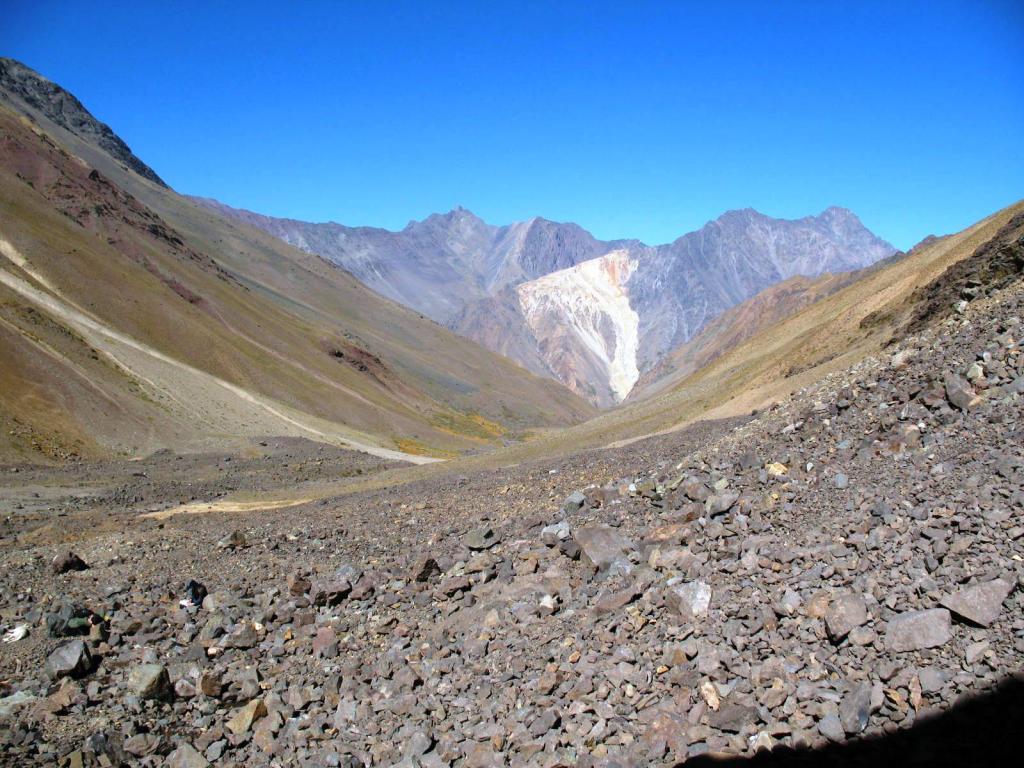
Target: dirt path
101,335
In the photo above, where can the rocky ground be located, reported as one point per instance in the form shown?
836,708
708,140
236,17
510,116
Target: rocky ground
841,567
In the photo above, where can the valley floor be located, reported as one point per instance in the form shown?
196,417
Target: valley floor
842,566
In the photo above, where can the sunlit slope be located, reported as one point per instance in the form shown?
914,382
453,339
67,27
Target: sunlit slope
830,334
736,325
256,314
821,339
444,366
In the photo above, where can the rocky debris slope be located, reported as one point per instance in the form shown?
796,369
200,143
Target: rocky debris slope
993,266
844,565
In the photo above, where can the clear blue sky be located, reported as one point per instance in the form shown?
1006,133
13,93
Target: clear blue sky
633,119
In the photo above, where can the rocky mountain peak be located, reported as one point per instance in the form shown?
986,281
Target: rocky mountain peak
24,84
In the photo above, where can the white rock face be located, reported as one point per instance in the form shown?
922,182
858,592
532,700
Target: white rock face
476,278
589,301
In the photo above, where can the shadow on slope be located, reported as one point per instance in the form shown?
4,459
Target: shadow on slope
984,730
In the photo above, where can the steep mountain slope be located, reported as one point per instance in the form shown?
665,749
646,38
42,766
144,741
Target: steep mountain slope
458,269
743,321
497,322
736,325
165,325
835,332
23,85
838,331
684,285
674,290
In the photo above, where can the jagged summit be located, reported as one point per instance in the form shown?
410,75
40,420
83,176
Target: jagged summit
19,82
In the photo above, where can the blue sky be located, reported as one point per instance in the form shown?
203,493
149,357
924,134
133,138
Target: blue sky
633,119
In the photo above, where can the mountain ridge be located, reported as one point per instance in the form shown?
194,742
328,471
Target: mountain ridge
455,268
63,108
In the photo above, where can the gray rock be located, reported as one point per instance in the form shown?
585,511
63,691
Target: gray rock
975,652
574,503
186,756
855,709
732,717
694,489
547,720
602,546
915,630
8,704
720,503
553,535
418,744
844,614
831,728
979,603
932,679
480,538
234,540
842,482
69,660
150,681
959,393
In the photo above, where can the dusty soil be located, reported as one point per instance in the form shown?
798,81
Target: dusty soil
840,571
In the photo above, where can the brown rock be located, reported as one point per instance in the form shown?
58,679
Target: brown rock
844,614
244,718
68,561
979,603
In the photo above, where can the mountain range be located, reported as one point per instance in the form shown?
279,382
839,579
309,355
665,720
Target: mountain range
259,504
593,314
132,320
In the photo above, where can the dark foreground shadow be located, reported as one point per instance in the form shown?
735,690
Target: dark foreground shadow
987,730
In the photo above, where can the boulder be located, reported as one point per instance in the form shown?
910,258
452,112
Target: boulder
480,538
186,756
844,614
855,709
916,630
690,600
979,603
234,540
330,591
574,502
69,660
244,718
68,620
603,546
150,681
720,503
424,569
68,561
959,393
